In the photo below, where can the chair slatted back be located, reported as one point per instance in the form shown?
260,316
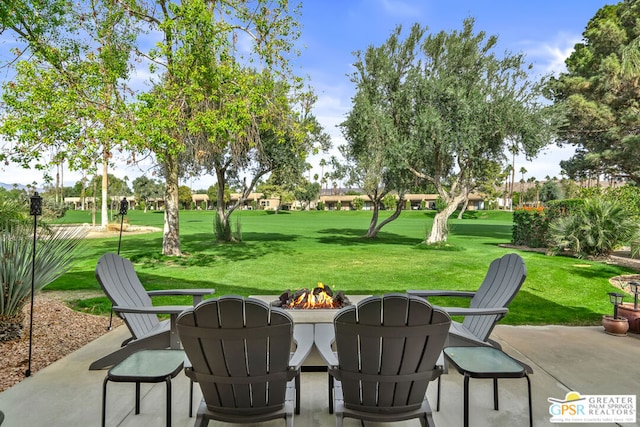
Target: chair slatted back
121,284
239,349
500,285
387,350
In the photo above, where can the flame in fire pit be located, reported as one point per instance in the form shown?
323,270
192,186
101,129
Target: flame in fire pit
319,297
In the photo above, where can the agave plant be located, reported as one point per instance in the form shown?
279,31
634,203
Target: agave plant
596,229
55,248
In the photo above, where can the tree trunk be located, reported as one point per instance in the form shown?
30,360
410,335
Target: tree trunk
171,236
83,193
104,213
439,229
465,205
93,205
221,226
374,228
372,232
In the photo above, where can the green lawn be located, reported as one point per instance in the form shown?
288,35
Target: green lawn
299,249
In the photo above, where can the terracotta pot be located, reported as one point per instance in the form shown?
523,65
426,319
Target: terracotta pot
627,311
618,326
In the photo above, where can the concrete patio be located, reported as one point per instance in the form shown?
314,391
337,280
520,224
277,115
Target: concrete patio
580,359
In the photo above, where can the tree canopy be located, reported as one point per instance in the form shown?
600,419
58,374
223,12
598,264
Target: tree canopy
221,96
64,103
599,95
379,121
442,108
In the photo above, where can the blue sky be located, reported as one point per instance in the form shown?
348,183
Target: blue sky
332,30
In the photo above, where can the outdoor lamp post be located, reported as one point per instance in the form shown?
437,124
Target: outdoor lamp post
124,207
615,299
35,209
634,289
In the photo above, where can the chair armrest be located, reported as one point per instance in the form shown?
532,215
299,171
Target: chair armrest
441,293
172,310
465,311
303,337
324,337
196,293
155,309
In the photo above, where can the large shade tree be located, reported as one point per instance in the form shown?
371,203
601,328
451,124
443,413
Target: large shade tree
469,105
223,92
64,100
379,121
599,94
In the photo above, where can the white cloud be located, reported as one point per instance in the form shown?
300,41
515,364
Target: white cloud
550,55
399,8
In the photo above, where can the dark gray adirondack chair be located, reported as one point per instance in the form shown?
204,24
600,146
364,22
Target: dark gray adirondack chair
488,304
387,348
239,351
132,302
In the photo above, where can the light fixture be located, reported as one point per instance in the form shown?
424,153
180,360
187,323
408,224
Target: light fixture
615,299
35,209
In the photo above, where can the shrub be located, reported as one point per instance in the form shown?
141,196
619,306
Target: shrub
358,203
55,249
320,206
530,227
389,202
594,229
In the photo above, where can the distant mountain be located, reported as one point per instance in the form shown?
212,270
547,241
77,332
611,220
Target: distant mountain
12,186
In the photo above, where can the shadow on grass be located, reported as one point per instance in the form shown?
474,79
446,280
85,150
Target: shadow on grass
356,236
198,249
493,231
534,310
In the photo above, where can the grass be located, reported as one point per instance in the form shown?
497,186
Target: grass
291,250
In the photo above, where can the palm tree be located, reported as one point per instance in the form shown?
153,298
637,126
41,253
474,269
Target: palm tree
522,171
507,173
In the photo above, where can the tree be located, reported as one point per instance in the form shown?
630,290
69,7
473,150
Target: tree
307,192
145,189
185,196
508,186
379,122
212,192
487,181
522,171
599,95
468,106
67,93
550,191
224,98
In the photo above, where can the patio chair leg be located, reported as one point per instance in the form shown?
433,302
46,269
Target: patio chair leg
297,382
190,398
495,394
330,394
168,401
104,401
438,395
137,398
529,392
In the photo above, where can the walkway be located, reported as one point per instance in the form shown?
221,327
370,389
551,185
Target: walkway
581,359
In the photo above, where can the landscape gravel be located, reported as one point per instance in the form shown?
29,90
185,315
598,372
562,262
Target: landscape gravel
57,331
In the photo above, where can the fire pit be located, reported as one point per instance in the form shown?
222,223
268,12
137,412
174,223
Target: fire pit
320,297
